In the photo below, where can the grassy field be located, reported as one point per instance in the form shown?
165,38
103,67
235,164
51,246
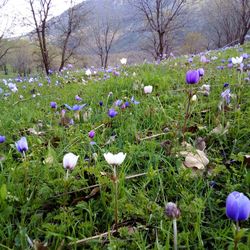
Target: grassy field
43,209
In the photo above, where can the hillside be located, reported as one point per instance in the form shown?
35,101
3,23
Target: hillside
91,159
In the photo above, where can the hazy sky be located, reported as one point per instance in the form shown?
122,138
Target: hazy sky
19,10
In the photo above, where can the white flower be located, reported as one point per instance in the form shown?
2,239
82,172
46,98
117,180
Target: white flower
237,60
70,160
205,87
114,159
148,89
194,98
88,72
123,61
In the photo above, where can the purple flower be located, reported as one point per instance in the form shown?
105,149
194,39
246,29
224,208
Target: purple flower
76,107
220,67
53,105
2,138
226,84
230,65
127,104
226,95
134,101
22,145
91,134
190,60
192,77
201,72
118,103
78,98
112,113
172,211
237,206
101,103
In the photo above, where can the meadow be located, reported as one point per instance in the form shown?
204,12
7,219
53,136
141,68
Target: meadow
45,206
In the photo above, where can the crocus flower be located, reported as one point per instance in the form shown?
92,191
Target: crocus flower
91,134
112,113
114,159
22,145
70,160
53,105
192,77
148,89
237,206
2,138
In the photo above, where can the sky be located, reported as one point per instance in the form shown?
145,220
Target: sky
18,10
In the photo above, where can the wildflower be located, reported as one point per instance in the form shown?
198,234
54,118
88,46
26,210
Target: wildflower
118,103
190,60
88,72
53,105
192,77
115,159
172,211
91,134
148,89
22,145
226,95
201,72
237,206
134,101
123,61
70,161
101,103
237,60
194,98
112,113
2,138
78,98
203,59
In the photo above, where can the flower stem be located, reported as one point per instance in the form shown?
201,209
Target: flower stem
236,240
175,233
184,128
67,175
116,197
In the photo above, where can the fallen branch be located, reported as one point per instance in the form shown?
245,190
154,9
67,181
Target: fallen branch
150,137
99,236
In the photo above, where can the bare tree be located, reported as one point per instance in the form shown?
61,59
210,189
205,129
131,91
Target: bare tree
4,45
162,18
228,21
40,14
69,39
104,36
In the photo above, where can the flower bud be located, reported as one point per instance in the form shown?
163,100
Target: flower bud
172,211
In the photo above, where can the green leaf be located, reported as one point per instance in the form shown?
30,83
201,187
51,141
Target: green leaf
3,192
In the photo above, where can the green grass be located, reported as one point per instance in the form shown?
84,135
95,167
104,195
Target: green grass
37,201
